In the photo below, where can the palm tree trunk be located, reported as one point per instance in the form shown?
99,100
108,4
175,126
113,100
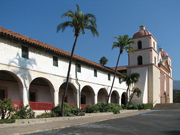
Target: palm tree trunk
127,96
114,77
131,97
67,80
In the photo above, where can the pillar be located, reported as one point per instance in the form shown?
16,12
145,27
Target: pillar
25,92
95,99
56,97
76,95
120,100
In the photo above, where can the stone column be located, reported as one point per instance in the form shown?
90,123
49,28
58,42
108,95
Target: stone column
109,99
25,92
78,98
119,100
95,99
56,97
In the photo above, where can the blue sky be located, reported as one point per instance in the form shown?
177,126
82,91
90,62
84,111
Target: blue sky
38,19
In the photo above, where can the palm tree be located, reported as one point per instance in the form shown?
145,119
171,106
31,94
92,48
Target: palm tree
103,61
79,23
129,79
122,44
136,91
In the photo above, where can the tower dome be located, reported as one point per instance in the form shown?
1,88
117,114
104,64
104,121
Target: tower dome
142,32
163,54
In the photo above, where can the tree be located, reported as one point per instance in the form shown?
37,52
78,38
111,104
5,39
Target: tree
79,23
6,108
136,91
129,79
122,44
103,61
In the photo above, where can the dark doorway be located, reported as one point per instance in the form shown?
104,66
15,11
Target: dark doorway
124,98
2,94
32,96
83,99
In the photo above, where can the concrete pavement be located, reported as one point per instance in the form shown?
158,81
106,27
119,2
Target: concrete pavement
26,128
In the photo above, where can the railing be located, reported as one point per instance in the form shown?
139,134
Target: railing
17,104
83,106
41,105
72,104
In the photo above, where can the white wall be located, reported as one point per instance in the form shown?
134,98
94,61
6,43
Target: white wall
40,64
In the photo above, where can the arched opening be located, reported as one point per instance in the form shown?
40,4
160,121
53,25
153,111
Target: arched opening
139,44
11,87
124,98
87,96
41,94
140,60
115,97
102,95
71,94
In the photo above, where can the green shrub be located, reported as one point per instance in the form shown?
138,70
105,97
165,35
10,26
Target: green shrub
15,117
6,107
69,110
45,115
25,112
149,106
116,110
123,106
134,107
102,107
90,109
6,121
142,106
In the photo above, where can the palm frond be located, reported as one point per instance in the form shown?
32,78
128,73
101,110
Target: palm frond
93,30
62,26
68,14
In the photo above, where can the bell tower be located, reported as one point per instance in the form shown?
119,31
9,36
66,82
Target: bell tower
142,61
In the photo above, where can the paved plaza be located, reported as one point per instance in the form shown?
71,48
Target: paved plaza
144,122
149,123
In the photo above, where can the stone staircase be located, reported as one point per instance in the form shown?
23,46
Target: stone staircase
166,106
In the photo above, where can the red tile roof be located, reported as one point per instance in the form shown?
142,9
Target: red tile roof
18,37
120,68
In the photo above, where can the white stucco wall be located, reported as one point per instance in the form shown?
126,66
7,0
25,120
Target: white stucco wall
40,65
142,84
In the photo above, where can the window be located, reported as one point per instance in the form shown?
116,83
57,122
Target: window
83,99
154,45
119,79
2,94
95,72
32,96
25,52
65,99
154,60
139,44
78,66
140,60
55,61
109,77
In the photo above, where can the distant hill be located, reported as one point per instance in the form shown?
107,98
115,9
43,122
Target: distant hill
176,84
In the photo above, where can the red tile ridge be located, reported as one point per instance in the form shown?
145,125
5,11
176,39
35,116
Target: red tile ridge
16,36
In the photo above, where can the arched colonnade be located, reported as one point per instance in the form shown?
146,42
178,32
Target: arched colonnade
42,93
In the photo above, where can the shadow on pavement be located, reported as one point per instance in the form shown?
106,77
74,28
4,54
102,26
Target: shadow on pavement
173,132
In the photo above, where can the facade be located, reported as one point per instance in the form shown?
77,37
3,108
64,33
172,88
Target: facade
154,67
34,73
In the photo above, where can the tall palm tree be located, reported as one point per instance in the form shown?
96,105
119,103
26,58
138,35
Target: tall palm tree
136,91
103,61
129,79
79,22
122,44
